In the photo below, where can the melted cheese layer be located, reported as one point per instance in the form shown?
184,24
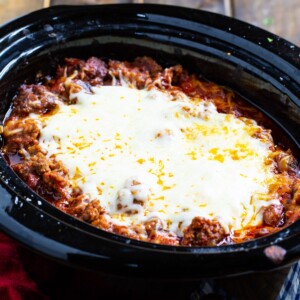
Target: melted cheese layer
145,153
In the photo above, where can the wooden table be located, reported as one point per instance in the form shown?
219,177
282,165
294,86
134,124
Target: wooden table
277,16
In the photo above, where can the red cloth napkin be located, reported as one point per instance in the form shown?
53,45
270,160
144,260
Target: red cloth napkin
15,283
25,275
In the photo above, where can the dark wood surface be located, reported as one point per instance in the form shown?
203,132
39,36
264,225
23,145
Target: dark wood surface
277,16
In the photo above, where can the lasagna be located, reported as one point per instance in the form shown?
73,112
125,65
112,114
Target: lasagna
151,153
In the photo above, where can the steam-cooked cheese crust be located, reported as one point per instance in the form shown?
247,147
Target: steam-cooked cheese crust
177,157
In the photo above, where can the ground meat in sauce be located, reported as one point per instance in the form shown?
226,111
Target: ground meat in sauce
273,215
287,163
203,232
296,195
77,73
34,99
92,211
50,179
20,135
133,73
156,234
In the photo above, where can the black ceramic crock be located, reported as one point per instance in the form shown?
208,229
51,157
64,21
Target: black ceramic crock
262,67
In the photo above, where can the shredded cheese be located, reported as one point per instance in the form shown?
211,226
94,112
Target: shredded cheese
146,153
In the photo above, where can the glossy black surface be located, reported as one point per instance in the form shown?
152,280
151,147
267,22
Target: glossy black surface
262,67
